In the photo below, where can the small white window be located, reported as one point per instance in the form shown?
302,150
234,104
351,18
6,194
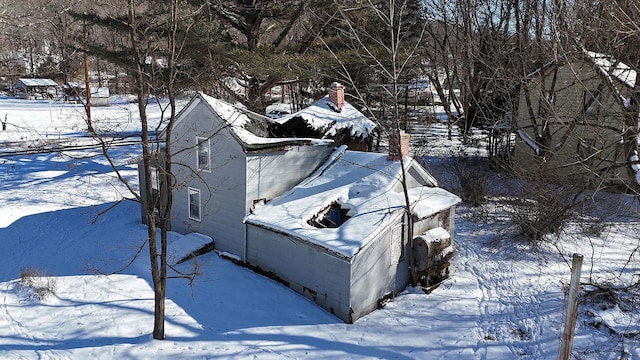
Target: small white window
195,208
155,188
203,159
155,183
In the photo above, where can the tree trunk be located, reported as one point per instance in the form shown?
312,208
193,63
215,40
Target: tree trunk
156,260
159,290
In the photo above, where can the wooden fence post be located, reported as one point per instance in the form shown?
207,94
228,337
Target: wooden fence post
572,308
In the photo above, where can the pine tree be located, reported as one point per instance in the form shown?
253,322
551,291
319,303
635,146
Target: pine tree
268,43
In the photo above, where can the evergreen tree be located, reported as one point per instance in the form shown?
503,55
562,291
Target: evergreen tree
267,43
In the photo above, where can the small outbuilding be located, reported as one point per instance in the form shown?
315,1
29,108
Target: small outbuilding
341,238
35,89
100,96
72,91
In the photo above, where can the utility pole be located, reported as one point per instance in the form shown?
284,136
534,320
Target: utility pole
86,72
572,308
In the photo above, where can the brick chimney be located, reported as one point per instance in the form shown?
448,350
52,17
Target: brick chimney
403,148
336,95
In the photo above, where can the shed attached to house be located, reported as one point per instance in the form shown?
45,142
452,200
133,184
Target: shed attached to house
340,237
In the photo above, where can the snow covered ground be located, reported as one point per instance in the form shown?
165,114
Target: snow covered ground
504,299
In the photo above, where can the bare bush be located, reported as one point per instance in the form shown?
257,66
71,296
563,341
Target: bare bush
608,295
37,283
471,172
545,209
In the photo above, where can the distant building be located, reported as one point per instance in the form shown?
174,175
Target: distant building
100,96
573,121
35,89
72,91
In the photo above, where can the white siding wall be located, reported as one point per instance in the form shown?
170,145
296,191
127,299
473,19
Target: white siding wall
309,270
376,271
273,173
222,189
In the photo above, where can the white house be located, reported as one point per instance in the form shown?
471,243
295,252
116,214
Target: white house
329,223
224,162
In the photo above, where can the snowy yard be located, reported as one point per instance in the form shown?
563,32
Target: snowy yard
503,300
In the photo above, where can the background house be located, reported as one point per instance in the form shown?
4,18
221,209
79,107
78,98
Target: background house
331,117
571,121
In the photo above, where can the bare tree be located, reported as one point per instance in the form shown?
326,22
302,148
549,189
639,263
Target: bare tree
154,56
390,52
625,24
40,37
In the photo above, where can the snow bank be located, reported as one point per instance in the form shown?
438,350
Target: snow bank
180,246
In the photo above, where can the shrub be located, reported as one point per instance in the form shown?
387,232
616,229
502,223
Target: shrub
37,283
539,219
546,210
471,173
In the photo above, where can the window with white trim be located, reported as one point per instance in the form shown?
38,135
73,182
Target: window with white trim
203,149
155,188
195,206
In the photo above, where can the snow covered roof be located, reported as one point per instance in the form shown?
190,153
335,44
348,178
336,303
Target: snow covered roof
240,119
25,82
366,184
323,116
612,67
605,63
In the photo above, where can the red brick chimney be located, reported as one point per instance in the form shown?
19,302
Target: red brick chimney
396,152
336,95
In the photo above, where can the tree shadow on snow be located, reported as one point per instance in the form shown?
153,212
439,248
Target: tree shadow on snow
225,303
35,170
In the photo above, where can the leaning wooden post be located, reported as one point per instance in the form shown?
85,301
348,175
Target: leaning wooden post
572,308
